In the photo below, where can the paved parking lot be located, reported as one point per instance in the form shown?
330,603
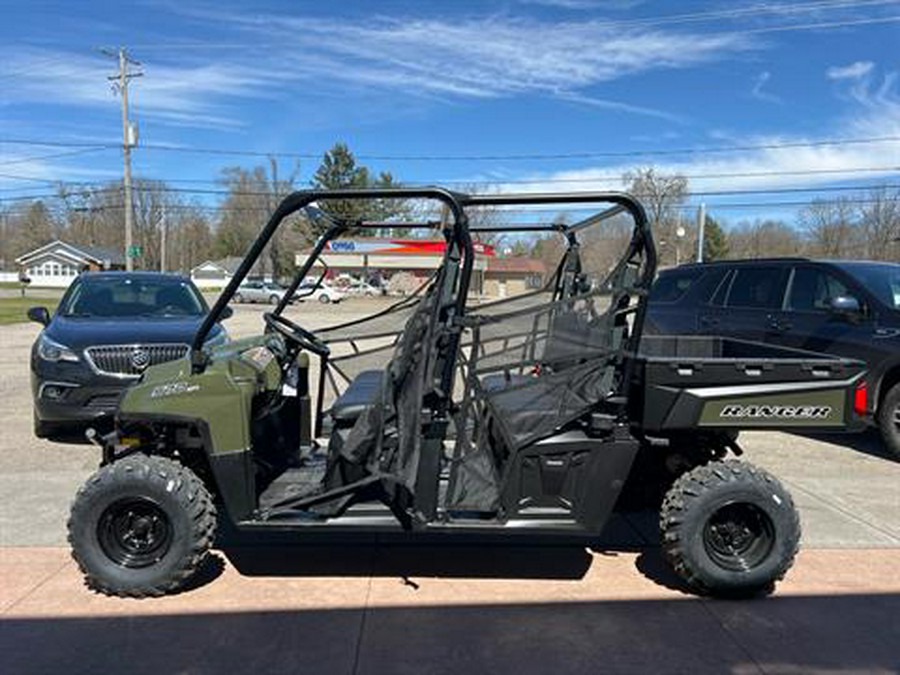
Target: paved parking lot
352,609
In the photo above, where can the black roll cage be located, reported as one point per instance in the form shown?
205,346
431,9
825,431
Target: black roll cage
456,231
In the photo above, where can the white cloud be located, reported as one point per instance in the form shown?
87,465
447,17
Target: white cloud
616,5
759,92
189,94
487,57
852,71
876,116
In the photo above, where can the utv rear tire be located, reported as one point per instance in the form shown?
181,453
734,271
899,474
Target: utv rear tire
889,420
729,529
141,527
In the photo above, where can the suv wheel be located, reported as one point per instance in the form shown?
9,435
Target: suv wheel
324,299
273,299
729,528
141,526
889,420
238,297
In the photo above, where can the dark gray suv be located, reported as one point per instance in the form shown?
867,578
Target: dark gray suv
109,328
848,308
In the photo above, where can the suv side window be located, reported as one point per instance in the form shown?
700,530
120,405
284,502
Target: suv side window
757,288
721,289
812,290
672,286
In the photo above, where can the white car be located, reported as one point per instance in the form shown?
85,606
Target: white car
321,292
360,287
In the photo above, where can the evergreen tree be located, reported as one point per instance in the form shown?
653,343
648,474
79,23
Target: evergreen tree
715,243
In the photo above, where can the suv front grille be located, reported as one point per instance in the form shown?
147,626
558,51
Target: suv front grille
131,360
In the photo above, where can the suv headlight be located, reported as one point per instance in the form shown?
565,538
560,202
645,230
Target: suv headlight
218,339
50,350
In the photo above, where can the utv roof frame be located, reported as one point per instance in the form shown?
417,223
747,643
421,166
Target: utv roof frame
456,231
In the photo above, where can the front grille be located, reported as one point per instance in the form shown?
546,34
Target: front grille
132,360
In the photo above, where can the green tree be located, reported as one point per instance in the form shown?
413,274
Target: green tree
339,170
715,243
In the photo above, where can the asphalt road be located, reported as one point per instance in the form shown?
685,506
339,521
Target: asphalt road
846,487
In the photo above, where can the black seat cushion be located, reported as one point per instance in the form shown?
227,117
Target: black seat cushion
361,394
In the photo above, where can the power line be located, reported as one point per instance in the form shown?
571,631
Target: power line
55,155
484,182
781,145
263,193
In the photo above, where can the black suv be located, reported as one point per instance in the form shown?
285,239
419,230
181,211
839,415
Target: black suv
108,329
848,308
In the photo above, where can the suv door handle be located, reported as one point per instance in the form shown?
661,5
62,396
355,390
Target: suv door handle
779,325
709,321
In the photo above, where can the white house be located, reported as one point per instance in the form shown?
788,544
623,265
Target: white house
215,274
56,264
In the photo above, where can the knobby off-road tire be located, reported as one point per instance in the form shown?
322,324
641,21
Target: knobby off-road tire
889,421
729,529
141,526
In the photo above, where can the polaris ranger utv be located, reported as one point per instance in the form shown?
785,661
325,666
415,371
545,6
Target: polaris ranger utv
446,415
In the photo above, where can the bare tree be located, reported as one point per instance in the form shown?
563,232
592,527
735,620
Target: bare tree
879,218
663,195
763,239
832,227
253,195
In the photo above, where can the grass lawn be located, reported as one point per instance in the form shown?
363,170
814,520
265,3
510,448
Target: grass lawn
12,310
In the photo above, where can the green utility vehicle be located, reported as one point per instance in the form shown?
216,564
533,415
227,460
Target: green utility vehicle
445,415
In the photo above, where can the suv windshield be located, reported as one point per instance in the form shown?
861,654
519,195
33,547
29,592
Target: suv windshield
130,297
882,280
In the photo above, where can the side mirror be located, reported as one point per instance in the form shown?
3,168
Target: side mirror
845,305
227,313
39,315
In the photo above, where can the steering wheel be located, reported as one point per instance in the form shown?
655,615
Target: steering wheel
296,334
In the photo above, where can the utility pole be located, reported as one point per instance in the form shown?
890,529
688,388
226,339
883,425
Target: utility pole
701,231
120,84
163,231
274,247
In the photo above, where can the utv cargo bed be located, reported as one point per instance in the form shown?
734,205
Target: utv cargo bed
697,382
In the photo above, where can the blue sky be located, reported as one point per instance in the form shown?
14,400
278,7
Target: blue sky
499,80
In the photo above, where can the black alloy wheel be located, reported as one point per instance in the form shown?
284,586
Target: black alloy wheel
739,536
134,532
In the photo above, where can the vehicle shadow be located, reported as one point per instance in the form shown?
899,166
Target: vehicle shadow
783,635
868,442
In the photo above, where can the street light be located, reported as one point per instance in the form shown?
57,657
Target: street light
679,235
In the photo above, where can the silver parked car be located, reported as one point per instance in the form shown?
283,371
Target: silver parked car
259,291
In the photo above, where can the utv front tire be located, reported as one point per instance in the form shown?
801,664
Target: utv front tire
729,528
141,526
889,420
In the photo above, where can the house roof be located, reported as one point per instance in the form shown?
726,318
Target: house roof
516,265
230,264
81,252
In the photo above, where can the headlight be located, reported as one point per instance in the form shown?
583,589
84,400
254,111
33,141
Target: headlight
218,339
50,350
